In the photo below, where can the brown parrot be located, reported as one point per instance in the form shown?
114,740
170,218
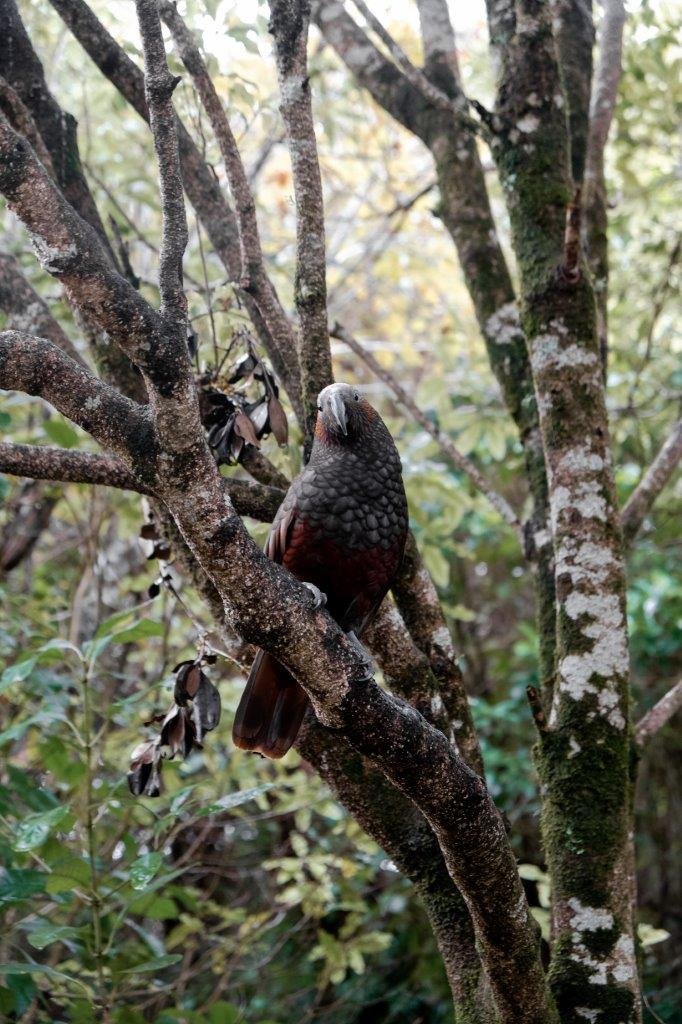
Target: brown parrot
341,529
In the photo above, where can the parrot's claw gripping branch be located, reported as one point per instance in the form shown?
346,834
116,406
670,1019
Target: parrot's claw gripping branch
319,599
367,661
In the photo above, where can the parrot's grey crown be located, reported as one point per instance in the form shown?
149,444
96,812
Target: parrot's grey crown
339,406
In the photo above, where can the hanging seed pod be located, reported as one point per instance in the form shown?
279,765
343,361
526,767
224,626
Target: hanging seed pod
258,414
154,589
187,682
244,369
206,707
172,736
278,421
154,785
244,428
142,764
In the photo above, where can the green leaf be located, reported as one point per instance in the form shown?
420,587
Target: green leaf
46,933
19,884
144,868
157,908
157,964
34,830
141,629
17,672
59,431
243,796
69,873
23,990
223,1013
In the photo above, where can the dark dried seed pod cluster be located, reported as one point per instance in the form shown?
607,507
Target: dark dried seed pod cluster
154,544
234,420
194,712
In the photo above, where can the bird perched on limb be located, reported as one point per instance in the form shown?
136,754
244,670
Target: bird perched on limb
341,529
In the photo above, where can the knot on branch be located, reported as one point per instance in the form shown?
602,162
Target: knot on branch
161,86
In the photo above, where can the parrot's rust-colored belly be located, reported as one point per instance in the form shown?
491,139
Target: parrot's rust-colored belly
354,581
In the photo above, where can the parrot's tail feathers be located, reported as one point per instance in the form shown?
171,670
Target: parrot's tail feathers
271,710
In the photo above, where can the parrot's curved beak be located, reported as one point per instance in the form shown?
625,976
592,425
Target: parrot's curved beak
337,409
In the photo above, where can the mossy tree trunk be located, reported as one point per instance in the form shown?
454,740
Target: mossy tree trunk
584,752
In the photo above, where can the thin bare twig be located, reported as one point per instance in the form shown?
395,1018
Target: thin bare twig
159,86
289,22
451,453
605,89
652,483
660,715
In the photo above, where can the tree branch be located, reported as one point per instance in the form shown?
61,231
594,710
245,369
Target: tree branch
447,448
19,116
26,311
605,88
68,466
289,21
660,715
37,367
417,599
256,501
159,86
199,180
652,483
457,107
254,277
20,66
28,516
602,106
71,250
397,826
574,33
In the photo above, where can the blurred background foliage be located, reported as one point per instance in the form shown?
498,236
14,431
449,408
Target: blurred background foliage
245,893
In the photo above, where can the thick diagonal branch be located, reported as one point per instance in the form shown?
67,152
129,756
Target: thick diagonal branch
402,832
289,21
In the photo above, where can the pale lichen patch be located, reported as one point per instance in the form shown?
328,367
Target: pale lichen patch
607,658
503,327
528,123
